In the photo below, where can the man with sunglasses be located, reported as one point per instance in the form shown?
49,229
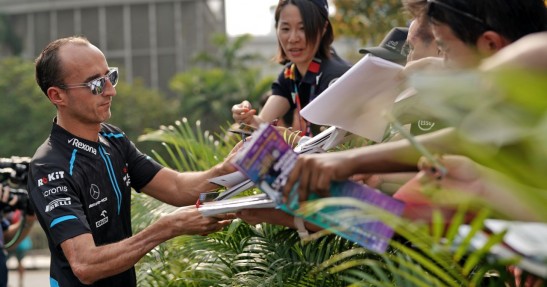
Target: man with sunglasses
81,178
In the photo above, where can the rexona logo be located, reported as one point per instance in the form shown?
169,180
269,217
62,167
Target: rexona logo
51,177
85,147
55,190
58,202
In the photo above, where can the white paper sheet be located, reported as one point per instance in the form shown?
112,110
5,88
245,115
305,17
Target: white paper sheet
357,101
229,180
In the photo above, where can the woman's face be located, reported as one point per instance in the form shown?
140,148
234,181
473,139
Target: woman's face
292,37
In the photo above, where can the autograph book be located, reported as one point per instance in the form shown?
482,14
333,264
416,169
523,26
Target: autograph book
268,160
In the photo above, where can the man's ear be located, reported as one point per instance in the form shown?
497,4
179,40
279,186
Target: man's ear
491,42
56,95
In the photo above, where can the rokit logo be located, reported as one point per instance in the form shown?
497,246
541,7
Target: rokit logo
85,147
58,202
103,221
55,190
51,177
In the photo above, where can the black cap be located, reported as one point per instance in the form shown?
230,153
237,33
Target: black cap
323,7
391,46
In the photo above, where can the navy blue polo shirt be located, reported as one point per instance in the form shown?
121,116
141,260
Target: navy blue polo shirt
78,186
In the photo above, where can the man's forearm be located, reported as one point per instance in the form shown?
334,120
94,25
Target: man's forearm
91,263
401,155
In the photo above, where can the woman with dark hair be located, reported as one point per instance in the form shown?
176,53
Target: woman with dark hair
305,37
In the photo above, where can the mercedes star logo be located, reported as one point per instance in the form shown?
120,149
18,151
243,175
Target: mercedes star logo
94,191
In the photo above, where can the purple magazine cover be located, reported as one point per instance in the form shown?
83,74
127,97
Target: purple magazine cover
268,160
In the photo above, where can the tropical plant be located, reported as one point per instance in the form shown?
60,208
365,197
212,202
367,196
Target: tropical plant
25,113
367,20
223,79
502,114
242,255
421,254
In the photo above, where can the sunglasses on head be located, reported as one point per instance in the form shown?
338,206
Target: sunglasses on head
457,11
97,86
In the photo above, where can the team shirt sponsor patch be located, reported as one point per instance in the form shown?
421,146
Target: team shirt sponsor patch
58,202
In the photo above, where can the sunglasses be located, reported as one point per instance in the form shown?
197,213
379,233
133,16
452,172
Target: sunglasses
457,11
97,86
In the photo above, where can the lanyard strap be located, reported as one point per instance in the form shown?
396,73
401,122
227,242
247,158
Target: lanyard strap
312,77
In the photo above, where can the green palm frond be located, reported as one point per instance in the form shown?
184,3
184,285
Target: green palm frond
189,148
432,254
419,255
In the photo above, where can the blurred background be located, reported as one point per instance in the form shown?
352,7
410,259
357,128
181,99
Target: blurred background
178,59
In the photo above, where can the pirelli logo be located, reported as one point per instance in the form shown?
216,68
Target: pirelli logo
58,202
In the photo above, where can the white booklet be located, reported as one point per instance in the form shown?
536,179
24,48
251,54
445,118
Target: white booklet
357,101
211,208
324,141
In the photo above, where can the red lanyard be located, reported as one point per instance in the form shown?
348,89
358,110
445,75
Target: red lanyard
312,77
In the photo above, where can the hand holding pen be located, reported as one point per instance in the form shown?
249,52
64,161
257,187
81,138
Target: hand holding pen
243,112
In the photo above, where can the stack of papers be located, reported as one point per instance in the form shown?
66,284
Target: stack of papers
236,204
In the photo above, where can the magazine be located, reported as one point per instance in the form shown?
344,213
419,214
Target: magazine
268,161
237,182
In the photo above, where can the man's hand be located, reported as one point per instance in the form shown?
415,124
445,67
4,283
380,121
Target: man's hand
244,113
4,197
189,221
314,173
462,174
226,166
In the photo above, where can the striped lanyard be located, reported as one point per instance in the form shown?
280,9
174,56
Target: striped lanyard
311,77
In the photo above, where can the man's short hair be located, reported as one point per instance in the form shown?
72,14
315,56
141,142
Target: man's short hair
468,19
48,68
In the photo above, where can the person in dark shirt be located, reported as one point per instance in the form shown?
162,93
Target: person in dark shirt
304,36
81,177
